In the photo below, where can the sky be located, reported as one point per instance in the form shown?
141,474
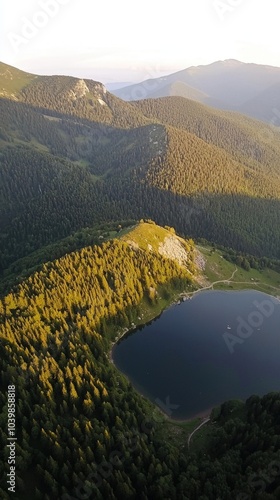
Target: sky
126,41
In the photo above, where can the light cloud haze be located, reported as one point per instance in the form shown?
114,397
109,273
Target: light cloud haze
125,41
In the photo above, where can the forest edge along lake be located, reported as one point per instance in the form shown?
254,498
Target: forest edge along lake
220,345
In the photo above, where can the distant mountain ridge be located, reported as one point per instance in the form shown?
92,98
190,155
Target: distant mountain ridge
228,84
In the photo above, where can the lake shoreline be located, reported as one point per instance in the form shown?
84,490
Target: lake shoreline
177,299
223,285
180,298
160,345
202,415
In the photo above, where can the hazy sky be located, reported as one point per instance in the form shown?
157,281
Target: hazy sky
135,40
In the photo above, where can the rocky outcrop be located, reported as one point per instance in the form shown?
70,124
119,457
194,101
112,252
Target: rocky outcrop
79,90
173,248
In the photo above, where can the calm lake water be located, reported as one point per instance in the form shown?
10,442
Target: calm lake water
214,347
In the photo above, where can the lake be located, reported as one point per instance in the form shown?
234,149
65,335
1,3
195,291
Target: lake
204,351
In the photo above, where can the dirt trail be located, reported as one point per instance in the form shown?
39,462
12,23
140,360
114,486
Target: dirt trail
208,287
196,429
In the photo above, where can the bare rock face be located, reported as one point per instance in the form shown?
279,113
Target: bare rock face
100,92
172,248
200,260
79,90
100,89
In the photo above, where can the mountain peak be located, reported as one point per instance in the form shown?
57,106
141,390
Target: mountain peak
232,62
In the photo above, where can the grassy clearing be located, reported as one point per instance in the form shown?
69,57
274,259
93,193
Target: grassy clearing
82,163
13,80
173,435
52,118
39,146
177,433
201,438
121,233
217,268
147,235
188,425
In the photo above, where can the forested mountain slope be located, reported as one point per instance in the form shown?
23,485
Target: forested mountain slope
76,164
55,174
68,95
82,429
253,143
265,106
74,409
69,161
191,166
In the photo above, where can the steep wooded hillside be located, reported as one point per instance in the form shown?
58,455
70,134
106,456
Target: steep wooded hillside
68,95
254,144
82,430
72,155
